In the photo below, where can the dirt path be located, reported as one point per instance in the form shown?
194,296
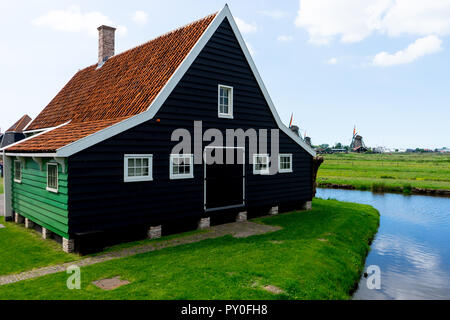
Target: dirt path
236,229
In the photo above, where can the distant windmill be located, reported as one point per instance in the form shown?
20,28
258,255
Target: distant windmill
357,144
297,130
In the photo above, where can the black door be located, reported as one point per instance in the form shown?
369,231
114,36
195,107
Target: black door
224,182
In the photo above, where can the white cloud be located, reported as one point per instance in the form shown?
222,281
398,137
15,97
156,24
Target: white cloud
284,38
140,17
250,49
121,30
73,19
332,61
274,14
354,20
418,17
420,47
245,27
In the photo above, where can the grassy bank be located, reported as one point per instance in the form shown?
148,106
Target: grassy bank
384,172
23,249
318,254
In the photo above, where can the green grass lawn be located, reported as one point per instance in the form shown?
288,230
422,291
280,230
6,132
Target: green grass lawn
319,254
1,185
387,172
22,249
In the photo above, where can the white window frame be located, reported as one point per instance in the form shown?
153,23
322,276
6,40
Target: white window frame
20,165
189,175
289,155
127,178
55,190
228,115
260,171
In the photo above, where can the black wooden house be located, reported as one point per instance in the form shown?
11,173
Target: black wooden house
100,156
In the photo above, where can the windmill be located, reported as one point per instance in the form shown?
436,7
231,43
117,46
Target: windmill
357,144
297,130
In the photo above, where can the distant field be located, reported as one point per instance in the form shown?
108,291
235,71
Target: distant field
387,172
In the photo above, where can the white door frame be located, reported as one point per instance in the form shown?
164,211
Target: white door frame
204,179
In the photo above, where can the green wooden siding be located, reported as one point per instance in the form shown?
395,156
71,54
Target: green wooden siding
31,199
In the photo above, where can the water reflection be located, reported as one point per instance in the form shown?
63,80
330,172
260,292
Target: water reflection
411,247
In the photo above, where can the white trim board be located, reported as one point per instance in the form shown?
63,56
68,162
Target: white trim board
31,155
131,122
36,135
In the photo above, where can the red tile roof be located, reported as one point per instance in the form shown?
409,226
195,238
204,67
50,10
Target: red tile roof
124,86
62,136
20,124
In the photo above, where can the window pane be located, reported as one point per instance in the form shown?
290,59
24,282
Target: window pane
226,93
138,171
145,171
130,163
225,101
52,180
138,162
17,170
131,172
145,162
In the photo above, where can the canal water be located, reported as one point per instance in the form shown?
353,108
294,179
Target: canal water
411,248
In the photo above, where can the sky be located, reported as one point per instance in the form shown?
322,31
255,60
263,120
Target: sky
380,65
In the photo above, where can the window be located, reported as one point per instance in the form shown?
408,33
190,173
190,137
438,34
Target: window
17,171
52,177
285,163
225,102
138,167
181,166
260,164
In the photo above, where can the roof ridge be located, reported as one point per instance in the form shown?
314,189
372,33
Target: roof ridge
17,124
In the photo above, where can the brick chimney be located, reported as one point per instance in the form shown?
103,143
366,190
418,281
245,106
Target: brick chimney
105,43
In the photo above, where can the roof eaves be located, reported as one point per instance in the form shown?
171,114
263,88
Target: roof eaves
32,137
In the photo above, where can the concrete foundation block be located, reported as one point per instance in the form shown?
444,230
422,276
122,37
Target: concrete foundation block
307,205
204,223
273,211
18,218
154,232
241,216
68,245
28,223
46,234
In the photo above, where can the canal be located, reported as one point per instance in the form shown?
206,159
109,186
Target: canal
411,248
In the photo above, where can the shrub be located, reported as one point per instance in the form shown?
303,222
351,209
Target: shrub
407,189
378,187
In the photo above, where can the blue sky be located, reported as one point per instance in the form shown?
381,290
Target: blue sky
382,65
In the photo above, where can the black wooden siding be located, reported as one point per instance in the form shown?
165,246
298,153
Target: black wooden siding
98,197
